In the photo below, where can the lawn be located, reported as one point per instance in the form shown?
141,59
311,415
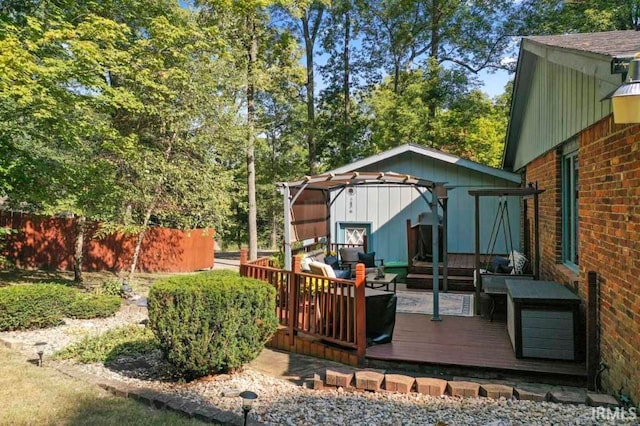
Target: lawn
32,395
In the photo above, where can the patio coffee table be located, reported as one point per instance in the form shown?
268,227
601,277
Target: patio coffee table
373,282
498,293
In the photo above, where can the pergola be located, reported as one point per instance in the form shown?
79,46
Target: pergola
307,209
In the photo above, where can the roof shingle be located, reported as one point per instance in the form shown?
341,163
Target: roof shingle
616,44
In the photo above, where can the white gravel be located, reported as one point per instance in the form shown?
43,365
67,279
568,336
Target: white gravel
284,403
73,330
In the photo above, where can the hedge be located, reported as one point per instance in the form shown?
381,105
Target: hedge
87,305
24,307
33,306
211,322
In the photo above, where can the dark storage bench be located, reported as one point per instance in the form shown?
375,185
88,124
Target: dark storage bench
543,319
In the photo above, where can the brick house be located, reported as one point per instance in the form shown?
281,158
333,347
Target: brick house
562,136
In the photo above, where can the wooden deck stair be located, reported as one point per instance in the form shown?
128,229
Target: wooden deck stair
454,282
460,273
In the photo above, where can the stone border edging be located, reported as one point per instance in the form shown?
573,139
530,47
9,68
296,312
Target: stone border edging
372,380
154,399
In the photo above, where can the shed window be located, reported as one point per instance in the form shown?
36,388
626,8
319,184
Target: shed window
570,209
354,235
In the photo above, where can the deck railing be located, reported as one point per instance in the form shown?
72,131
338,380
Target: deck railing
330,309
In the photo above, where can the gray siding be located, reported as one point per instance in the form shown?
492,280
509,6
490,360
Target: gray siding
386,209
547,334
559,98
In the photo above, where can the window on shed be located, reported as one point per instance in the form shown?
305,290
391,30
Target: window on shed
354,235
570,195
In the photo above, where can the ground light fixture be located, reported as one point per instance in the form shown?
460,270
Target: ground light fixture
247,402
40,351
626,99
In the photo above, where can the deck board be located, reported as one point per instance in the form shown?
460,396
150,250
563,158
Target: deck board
462,341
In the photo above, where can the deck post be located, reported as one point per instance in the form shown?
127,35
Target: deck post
593,356
536,231
244,256
361,315
286,198
291,299
445,248
476,272
435,236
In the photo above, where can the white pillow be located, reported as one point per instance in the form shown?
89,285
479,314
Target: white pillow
517,261
327,270
304,263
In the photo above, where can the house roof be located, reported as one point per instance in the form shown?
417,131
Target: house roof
431,153
615,44
591,54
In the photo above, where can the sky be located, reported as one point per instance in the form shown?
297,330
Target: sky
493,84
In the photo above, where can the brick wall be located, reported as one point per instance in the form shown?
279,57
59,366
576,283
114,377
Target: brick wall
609,210
609,239
545,171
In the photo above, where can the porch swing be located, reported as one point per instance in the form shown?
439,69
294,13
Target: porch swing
501,222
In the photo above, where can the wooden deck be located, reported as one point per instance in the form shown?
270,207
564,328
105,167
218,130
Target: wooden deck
471,342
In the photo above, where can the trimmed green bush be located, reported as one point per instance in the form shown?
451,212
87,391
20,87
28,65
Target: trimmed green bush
87,305
211,322
33,306
110,288
129,341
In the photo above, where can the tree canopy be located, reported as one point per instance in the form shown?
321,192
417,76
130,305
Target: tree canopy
184,114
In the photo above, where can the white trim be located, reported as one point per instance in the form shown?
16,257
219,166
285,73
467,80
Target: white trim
431,153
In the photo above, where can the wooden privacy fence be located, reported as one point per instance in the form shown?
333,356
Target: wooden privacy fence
329,309
48,243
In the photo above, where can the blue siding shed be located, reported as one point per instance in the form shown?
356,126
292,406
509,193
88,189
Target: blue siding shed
384,210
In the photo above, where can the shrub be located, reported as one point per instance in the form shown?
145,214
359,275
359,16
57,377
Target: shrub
33,306
87,305
110,288
211,322
131,341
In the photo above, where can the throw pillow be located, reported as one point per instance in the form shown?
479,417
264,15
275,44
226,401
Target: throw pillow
304,263
331,261
350,254
369,259
344,274
517,261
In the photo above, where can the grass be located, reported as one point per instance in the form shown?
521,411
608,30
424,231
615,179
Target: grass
141,284
32,395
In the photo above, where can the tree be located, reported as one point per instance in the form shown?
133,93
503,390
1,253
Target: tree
562,16
249,34
311,16
54,104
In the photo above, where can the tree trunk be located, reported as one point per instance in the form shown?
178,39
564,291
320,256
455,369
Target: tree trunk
346,79
78,255
309,40
136,251
435,46
251,165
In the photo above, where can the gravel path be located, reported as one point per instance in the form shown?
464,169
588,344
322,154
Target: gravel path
284,403
73,330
